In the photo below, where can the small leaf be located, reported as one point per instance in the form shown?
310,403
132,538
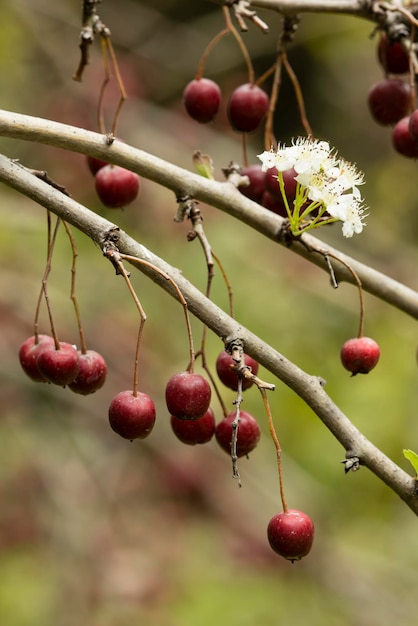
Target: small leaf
412,458
203,164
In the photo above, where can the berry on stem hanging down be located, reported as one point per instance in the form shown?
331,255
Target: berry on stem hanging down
360,355
187,395
247,106
58,364
202,98
291,534
197,431
116,186
389,100
28,356
132,415
392,56
248,434
91,375
228,375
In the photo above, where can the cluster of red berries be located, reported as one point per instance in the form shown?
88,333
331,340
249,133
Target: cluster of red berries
247,105
188,397
62,364
115,185
264,188
391,99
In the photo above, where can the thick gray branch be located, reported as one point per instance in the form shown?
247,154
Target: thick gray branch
221,195
360,8
309,388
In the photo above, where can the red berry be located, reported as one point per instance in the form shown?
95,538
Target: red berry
226,373
116,186
360,355
28,356
247,437
91,375
389,100
202,98
247,106
95,165
403,141
289,181
413,125
273,204
200,430
256,178
291,534
187,395
132,416
392,56
60,366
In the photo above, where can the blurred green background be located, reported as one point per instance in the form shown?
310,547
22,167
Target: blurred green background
96,531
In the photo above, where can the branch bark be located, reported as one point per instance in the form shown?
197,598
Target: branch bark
222,195
309,388
360,8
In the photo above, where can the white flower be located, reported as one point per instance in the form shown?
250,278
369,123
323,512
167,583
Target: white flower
312,156
267,158
353,222
329,182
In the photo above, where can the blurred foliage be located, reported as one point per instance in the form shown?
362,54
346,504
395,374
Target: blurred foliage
97,531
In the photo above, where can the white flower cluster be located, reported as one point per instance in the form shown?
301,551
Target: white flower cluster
329,181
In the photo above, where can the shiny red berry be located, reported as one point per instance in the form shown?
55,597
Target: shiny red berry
247,106
59,366
248,433
91,375
389,100
116,186
392,56
227,374
291,534
195,431
187,395
202,98
28,356
402,139
256,178
132,416
360,355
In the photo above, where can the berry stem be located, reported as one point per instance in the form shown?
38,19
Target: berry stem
228,285
298,94
41,292
143,319
83,345
108,51
123,95
239,40
208,50
244,144
277,446
136,261
326,254
412,70
44,288
269,138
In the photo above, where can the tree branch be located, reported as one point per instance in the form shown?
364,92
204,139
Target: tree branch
222,195
360,8
309,388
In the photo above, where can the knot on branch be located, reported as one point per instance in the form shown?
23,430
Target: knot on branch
351,464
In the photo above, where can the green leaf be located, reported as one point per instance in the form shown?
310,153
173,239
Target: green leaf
203,165
412,458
